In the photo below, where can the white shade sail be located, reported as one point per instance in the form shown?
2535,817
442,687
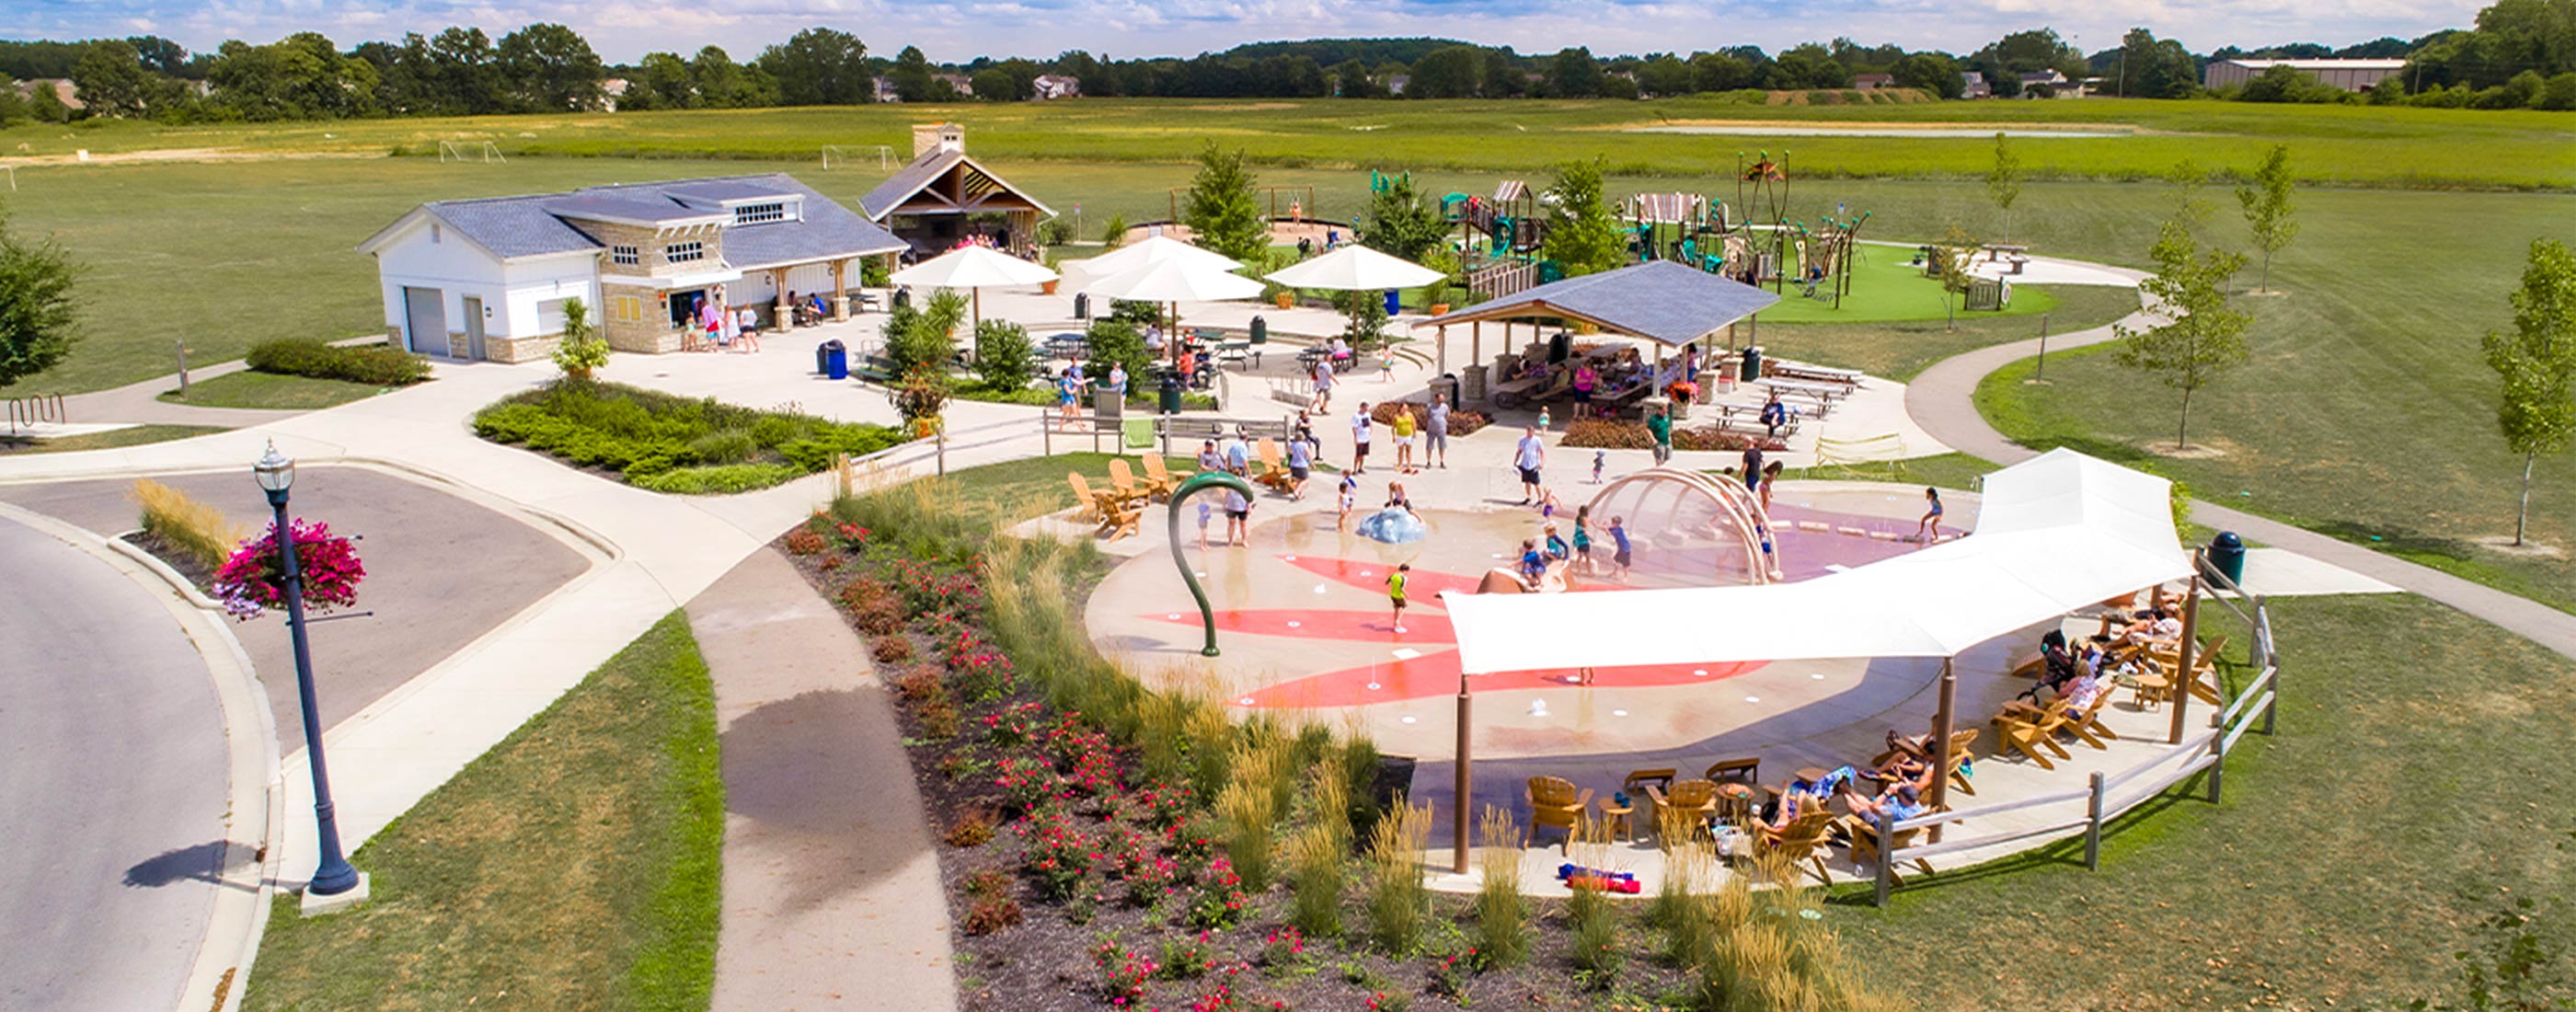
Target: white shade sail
1355,268
1154,250
973,267
1174,281
2054,534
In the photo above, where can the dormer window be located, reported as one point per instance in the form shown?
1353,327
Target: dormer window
437,234
626,255
755,214
683,252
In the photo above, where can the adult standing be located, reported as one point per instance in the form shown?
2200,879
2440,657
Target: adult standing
1360,439
1529,457
1435,434
1660,425
1324,383
1752,467
1238,454
1118,380
1238,517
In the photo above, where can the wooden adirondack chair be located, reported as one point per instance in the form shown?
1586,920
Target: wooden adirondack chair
1274,466
2034,735
1554,803
1695,800
1118,514
1161,474
1124,478
2086,724
1863,840
2157,686
1800,843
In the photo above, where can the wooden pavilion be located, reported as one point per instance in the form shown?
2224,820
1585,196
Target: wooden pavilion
937,199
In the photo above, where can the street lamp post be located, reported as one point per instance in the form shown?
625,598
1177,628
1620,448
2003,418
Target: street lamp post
332,875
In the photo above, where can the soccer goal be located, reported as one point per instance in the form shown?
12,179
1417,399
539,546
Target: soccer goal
450,151
840,156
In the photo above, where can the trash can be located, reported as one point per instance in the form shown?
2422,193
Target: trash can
1394,302
1170,390
1448,384
902,298
1082,305
2227,557
832,359
1260,330
1752,369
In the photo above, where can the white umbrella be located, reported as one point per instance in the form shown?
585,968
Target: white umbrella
974,268
1356,268
1156,249
1175,281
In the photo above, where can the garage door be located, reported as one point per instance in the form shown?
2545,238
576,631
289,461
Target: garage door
425,320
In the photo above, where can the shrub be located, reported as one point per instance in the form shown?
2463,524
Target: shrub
373,364
920,684
804,542
1221,900
1185,958
1249,807
1461,422
193,528
719,479
987,916
974,829
1005,359
681,445
1596,933
1501,934
1622,434
893,649
938,719
581,351
1397,900
723,446
1316,861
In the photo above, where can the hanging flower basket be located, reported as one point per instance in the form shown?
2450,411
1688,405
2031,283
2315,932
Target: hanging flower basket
251,581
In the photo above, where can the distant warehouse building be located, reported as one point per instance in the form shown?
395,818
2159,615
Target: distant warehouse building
2350,75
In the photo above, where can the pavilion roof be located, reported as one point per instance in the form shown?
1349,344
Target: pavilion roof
1659,301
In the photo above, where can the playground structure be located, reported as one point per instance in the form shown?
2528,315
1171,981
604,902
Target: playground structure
1691,528
1300,202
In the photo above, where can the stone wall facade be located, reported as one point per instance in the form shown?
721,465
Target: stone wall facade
521,349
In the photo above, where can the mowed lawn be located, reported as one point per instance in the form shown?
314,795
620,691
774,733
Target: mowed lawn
573,866
2413,790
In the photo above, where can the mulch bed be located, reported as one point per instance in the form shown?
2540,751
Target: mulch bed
1068,874
197,574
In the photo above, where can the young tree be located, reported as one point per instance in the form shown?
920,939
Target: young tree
2003,181
2203,338
35,305
2267,208
2537,364
1952,257
1400,224
1581,234
1221,210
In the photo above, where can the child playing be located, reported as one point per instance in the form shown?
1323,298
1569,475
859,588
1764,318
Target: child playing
1600,458
1583,539
1386,366
1547,503
1206,513
1619,548
1350,499
1395,593
1533,565
1543,424
1928,530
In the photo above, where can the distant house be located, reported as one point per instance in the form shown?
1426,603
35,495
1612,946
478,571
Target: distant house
1973,85
2350,75
488,278
2049,84
882,89
965,85
63,89
1873,82
1055,86
611,90
1395,83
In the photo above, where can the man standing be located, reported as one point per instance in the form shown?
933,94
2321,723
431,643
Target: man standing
1435,436
1531,455
1360,439
1324,383
1661,426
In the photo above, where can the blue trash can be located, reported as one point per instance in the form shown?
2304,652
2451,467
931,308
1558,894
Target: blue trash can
1394,302
835,359
2227,557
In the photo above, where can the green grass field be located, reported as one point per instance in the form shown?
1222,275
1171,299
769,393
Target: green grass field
270,390
136,435
1884,288
575,865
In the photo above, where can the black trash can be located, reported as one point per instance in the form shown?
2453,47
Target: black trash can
832,359
1170,389
902,298
1082,305
1752,368
1260,330
1447,384
2227,557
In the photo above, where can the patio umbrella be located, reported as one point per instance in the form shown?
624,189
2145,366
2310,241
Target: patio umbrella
1356,268
1175,280
973,268
1154,250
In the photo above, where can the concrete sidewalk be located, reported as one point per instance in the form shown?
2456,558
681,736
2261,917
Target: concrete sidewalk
832,891
1942,401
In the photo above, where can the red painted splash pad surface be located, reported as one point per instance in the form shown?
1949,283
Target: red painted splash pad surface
1433,668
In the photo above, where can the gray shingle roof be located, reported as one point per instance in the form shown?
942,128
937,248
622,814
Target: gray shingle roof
1660,300
907,181
525,226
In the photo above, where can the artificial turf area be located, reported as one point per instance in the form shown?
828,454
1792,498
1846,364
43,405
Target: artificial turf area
573,866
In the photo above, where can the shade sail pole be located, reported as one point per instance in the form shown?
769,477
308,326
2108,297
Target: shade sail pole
1466,777
1942,719
2183,656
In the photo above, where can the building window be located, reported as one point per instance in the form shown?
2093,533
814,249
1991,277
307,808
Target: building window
628,255
626,309
683,252
754,214
437,234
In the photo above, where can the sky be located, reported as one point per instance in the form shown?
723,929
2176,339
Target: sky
958,30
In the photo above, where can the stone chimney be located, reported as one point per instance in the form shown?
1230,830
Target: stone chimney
930,137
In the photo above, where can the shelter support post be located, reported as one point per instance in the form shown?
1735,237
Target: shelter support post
840,290
1476,342
1886,874
1443,339
1459,808
2185,655
2093,825
785,311
1942,719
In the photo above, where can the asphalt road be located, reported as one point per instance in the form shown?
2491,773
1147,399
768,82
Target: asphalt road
112,803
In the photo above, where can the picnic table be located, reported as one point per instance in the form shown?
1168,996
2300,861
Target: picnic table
1237,353
1814,373
1067,346
1823,395
1747,418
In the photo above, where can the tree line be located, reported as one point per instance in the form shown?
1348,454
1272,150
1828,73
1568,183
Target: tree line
2519,53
